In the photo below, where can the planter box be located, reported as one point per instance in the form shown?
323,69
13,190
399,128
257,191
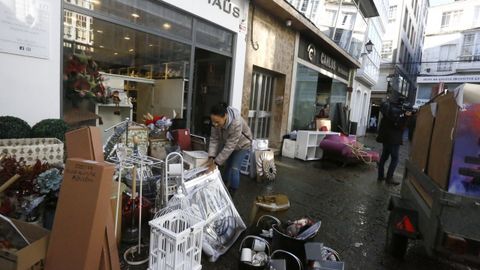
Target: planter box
45,149
141,132
157,148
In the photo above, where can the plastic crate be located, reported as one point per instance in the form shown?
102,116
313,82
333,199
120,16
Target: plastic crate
245,166
176,242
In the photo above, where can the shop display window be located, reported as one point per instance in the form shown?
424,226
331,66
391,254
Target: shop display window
101,57
148,14
316,96
141,51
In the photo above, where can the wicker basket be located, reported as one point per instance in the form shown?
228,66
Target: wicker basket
30,149
157,148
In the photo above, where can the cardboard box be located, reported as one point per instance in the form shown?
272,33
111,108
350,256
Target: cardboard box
195,158
421,142
109,259
84,143
113,204
80,221
440,154
30,255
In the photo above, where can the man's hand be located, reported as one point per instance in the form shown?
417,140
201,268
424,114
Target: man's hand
408,113
211,165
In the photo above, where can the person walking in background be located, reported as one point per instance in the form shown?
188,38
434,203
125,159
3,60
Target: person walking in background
373,123
230,141
390,134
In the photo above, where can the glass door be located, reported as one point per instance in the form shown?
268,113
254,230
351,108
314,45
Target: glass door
211,86
260,111
305,98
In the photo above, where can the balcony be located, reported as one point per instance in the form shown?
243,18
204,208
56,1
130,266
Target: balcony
369,71
444,66
469,63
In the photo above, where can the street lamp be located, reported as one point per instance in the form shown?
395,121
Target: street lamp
369,46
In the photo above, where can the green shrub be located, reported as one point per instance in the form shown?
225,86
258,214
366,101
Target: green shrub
50,128
14,128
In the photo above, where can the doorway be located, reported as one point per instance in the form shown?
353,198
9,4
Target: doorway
211,86
374,120
260,109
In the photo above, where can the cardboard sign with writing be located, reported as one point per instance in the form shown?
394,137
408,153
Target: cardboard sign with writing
83,206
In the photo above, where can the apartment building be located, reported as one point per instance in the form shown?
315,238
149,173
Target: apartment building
451,55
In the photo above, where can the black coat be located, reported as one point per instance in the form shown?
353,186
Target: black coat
392,124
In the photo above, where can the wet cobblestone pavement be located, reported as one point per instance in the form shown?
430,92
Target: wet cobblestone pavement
351,205
349,202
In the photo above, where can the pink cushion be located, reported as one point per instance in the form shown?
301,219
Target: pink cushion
340,145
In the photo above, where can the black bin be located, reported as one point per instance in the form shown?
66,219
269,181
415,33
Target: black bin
290,244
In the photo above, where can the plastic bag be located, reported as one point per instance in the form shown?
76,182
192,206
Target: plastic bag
209,200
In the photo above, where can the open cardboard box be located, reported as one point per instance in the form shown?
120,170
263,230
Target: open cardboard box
84,143
28,256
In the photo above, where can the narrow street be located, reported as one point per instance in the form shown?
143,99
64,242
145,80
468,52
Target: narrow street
349,202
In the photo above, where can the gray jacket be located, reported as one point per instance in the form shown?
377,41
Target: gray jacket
235,135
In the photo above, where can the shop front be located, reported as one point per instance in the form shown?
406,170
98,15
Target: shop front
268,75
430,86
320,90
169,58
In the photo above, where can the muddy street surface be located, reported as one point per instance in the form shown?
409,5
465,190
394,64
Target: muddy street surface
349,201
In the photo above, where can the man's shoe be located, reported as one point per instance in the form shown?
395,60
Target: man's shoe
380,179
390,181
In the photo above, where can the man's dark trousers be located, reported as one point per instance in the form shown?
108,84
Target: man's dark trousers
389,150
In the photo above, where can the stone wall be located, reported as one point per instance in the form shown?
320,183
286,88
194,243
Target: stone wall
275,54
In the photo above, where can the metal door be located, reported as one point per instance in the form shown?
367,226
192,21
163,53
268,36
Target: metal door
260,111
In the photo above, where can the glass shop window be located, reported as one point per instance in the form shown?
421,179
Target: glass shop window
146,72
148,14
214,37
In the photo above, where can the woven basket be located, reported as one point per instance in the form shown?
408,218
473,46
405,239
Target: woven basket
30,149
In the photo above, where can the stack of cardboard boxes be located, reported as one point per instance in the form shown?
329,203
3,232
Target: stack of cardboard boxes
83,232
446,142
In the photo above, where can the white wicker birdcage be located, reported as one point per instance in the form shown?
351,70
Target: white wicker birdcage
176,241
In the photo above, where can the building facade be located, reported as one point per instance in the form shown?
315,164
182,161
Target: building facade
163,56
451,54
367,76
401,50
326,60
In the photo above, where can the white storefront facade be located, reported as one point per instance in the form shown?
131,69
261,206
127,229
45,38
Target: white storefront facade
145,43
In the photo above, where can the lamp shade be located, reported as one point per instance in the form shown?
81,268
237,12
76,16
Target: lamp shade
369,46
